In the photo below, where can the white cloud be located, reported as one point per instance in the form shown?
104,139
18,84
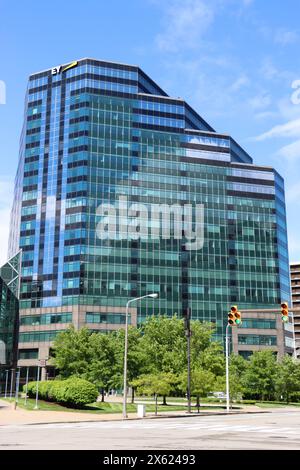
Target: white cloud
6,197
293,193
266,115
289,129
268,70
239,83
292,153
186,22
260,101
285,37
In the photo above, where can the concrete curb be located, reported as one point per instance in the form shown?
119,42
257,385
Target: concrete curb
146,417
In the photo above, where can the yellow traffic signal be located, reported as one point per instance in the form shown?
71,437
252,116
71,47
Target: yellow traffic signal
234,316
230,318
238,318
284,312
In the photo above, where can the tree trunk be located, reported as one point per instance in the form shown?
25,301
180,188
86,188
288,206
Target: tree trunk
132,395
164,400
156,404
198,404
102,395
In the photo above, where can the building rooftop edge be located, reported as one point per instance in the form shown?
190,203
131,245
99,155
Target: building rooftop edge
87,58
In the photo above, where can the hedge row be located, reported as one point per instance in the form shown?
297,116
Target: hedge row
72,392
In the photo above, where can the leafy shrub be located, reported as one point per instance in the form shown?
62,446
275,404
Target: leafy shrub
79,392
56,391
295,397
31,389
43,390
74,391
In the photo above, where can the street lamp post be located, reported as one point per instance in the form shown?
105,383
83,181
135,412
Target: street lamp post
17,387
6,383
36,407
153,296
11,382
26,387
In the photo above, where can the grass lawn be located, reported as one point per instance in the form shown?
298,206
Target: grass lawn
92,408
275,405
183,400
100,407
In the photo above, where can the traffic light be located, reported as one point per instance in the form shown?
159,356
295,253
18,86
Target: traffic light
230,318
234,316
284,312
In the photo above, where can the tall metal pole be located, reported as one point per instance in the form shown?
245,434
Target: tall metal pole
26,386
37,388
187,327
6,383
11,382
189,368
125,364
227,367
154,296
294,336
17,387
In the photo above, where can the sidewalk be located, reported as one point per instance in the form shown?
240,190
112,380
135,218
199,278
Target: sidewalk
10,416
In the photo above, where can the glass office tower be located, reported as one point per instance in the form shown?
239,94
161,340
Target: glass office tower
96,133
9,321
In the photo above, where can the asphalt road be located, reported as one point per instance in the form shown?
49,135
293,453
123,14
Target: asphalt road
279,429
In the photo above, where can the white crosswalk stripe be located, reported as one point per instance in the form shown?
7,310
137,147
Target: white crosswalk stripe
142,425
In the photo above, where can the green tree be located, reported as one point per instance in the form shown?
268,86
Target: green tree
212,359
237,365
90,356
159,346
136,357
236,386
103,362
164,344
202,382
237,369
72,352
288,379
201,339
156,384
261,374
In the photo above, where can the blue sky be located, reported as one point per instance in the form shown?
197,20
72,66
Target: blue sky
234,61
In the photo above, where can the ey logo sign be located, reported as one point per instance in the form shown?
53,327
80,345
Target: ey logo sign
60,69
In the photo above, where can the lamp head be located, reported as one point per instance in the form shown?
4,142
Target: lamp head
154,295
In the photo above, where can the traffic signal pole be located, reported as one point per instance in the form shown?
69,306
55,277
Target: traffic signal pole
234,319
189,370
284,305
227,367
267,310
188,333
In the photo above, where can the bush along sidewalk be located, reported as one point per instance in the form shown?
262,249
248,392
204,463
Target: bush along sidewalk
73,392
